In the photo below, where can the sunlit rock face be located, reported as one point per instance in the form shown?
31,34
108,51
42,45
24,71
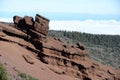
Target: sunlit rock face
40,25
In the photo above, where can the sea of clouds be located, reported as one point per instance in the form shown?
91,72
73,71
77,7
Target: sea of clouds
89,26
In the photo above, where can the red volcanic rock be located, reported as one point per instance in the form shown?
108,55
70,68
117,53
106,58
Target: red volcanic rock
29,20
29,44
23,23
16,19
80,46
41,24
28,59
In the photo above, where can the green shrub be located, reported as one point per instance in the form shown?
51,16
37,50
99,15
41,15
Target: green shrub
3,73
25,76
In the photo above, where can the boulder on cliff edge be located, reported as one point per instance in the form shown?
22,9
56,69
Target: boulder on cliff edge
41,24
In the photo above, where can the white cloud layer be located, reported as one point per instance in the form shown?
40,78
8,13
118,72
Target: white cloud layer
6,19
89,26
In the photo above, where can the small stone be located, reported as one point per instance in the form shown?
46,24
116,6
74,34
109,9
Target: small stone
80,46
55,38
73,46
111,72
14,68
65,46
28,59
5,63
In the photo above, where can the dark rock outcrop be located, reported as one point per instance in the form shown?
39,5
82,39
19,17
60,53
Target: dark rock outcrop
16,19
80,46
40,25
29,21
28,59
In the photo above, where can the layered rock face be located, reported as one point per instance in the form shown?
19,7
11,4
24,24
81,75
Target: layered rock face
40,25
59,57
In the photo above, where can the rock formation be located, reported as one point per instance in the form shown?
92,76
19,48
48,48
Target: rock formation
57,56
40,25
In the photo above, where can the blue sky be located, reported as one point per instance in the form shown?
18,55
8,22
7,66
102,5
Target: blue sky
62,9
